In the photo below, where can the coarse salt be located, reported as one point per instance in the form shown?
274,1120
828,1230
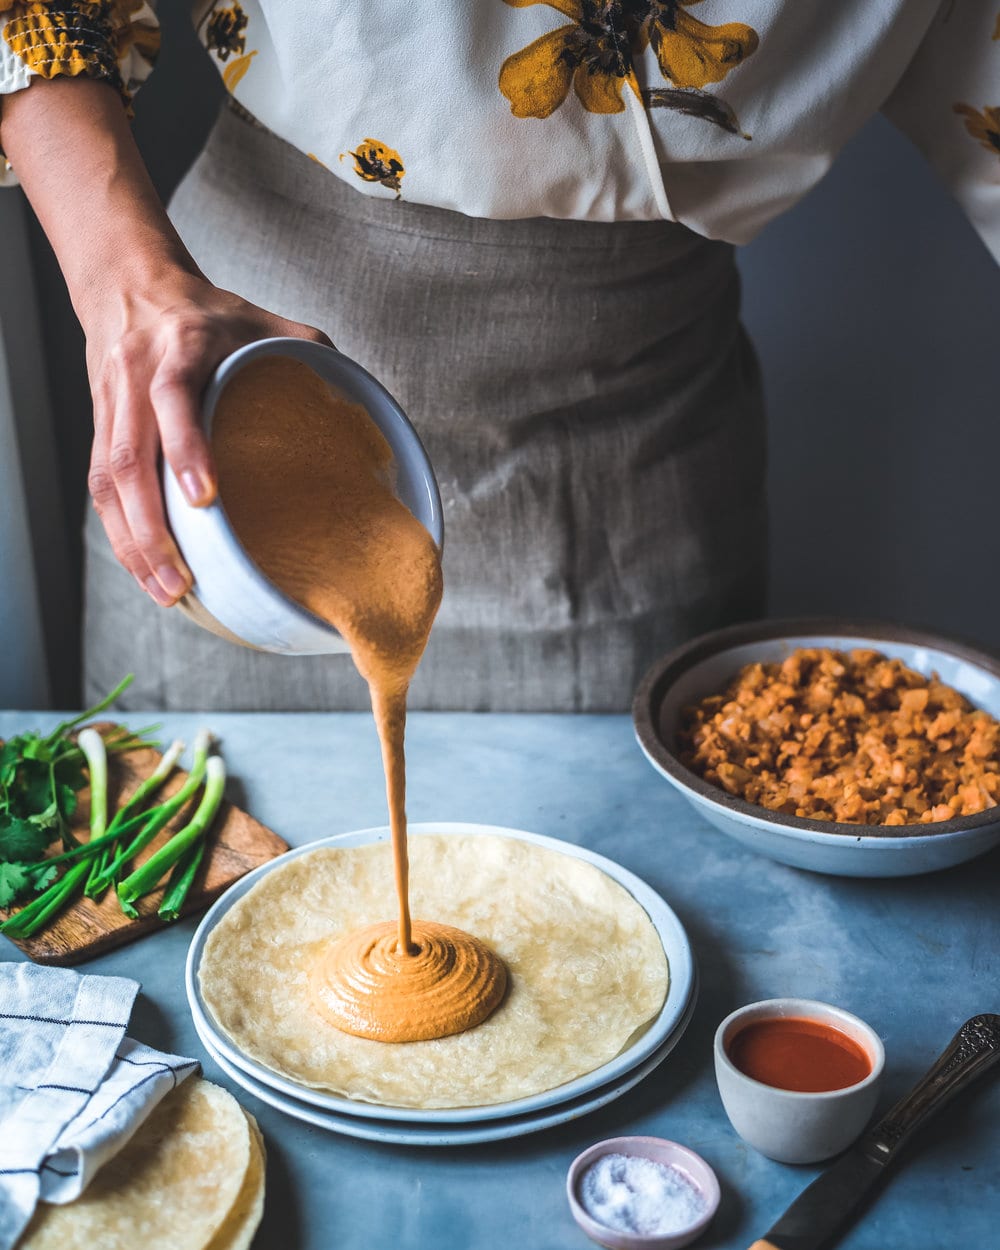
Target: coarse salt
634,1195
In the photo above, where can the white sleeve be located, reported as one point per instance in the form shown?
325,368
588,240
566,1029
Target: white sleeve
948,103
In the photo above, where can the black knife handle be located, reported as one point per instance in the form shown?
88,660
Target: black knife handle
973,1049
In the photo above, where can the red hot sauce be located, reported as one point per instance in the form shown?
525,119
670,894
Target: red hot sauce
790,1052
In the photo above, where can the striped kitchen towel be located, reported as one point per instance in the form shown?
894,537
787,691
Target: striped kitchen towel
73,1087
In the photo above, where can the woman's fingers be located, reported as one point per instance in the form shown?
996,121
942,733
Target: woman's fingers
124,479
133,459
310,332
108,507
281,327
104,492
175,396
148,383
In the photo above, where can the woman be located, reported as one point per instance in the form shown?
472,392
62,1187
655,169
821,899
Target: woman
540,268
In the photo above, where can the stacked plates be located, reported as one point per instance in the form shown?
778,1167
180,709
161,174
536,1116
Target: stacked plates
462,1125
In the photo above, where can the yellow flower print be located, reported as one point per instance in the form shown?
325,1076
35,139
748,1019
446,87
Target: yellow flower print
234,72
376,162
591,54
690,53
595,54
224,32
128,33
102,39
47,39
984,126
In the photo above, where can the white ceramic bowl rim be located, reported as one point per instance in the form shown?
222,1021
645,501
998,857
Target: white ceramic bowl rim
360,387
804,1008
665,672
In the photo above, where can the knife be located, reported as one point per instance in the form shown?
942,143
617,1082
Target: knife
827,1206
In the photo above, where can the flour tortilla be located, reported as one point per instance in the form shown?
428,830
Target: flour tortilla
175,1185
587,969
237,1231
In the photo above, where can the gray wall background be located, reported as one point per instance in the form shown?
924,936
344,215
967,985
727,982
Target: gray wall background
875,310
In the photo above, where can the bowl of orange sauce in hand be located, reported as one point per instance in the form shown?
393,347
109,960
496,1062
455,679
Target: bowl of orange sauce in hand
798,1078
289,410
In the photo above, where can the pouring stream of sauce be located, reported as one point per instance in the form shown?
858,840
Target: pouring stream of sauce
304,477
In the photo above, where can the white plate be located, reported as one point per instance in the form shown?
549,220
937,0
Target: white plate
404,1134
668,927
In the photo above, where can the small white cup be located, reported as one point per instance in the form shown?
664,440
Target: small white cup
788,1125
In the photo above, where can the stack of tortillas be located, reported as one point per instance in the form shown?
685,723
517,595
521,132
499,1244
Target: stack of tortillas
191,1178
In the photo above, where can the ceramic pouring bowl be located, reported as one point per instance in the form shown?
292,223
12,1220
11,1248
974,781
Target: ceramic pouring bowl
231,596
784,1124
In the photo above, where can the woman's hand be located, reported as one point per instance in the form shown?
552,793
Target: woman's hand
150,354
155,326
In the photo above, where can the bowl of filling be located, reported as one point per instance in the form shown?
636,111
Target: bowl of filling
860,749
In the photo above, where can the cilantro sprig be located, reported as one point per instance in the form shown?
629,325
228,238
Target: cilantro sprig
40,777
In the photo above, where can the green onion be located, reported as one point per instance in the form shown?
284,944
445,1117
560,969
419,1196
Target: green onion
60,731
146,877
100,877
95,868
153,782
92,745
96,864
84,850
119,741
129,910
30,919
151,823
160,816
180,881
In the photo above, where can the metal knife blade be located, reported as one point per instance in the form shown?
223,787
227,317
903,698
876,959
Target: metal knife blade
826,1207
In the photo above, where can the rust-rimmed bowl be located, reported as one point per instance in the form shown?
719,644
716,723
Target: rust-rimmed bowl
705,665
694,1175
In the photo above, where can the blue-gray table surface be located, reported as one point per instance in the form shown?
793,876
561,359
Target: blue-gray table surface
914,956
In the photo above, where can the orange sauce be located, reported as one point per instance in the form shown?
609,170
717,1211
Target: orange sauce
799,1054
305,477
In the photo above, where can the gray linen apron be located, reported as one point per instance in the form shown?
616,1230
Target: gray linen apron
588,399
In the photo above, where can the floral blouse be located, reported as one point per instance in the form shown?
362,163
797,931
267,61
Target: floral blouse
716,113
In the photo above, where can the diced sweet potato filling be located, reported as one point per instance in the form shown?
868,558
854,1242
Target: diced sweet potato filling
847,736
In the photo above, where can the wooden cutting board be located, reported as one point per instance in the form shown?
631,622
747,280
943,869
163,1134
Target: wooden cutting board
236,844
